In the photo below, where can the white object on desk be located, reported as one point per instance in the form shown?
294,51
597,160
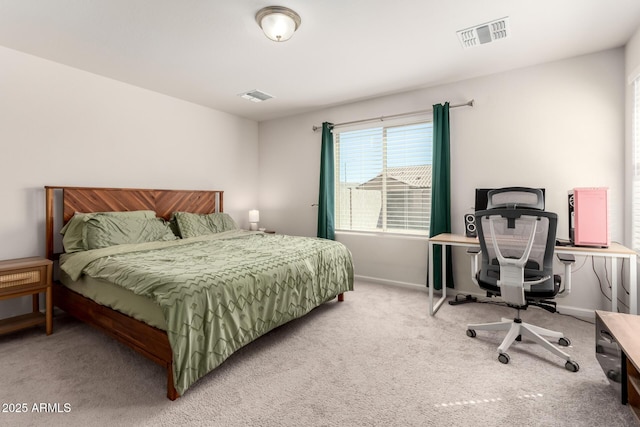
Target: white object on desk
614,251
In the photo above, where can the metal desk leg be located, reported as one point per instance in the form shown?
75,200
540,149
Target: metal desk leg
614,284
430,278
433,308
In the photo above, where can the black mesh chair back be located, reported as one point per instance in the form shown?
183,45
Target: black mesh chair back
517,251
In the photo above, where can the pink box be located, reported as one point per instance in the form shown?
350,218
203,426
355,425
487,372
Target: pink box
590,217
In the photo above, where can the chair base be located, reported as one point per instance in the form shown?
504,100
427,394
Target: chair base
517,328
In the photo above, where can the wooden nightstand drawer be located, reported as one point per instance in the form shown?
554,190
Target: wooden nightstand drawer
24,277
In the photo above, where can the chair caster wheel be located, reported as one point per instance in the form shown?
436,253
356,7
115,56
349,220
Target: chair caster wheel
565,342
471,333
504,358
572,366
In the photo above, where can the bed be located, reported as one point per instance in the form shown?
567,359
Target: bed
170,275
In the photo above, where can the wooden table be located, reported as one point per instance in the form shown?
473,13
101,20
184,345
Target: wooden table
625,329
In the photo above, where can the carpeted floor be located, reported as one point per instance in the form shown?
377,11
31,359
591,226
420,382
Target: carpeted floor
376,359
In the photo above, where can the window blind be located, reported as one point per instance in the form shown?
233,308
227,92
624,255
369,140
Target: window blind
383,178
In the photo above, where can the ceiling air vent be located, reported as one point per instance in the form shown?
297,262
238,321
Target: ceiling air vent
484,33
256,95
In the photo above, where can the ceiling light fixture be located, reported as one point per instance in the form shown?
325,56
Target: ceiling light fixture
278,23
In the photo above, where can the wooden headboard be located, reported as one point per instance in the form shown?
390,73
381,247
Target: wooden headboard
94,199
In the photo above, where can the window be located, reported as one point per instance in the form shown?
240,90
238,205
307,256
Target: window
383,178
635,184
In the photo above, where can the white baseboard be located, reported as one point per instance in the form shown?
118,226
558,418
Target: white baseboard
415,286
582,313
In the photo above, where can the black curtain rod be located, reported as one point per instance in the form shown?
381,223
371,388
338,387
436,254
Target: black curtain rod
394,116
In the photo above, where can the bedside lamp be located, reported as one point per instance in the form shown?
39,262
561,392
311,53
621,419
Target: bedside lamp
254,218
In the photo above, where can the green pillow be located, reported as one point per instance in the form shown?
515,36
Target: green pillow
193,225
74,231
103,231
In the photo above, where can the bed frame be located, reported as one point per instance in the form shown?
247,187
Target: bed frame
149,341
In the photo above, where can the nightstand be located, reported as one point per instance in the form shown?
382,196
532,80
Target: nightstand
27,276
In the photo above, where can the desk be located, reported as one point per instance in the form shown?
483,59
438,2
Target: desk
614,251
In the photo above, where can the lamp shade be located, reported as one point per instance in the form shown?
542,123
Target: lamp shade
278,23
254,215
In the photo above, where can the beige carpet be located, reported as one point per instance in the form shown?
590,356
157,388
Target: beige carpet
377,359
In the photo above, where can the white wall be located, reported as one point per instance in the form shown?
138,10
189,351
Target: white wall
632,70
632,56
63,126
559,125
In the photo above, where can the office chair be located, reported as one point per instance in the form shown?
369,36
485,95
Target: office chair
517,242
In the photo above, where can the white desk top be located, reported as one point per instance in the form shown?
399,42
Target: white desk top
615,249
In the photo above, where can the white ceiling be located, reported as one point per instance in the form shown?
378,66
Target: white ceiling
209,51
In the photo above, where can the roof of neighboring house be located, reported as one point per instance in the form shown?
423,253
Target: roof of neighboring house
414,176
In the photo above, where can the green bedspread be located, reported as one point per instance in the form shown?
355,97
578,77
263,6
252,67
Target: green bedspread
220,292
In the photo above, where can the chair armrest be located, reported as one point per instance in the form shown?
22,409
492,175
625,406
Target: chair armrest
475,253
567,260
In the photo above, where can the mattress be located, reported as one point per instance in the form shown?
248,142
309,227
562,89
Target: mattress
118,298
215,293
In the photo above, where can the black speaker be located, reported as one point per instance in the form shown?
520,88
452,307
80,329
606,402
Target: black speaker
470,225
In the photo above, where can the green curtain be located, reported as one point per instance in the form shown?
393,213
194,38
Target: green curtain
441,191
326,201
